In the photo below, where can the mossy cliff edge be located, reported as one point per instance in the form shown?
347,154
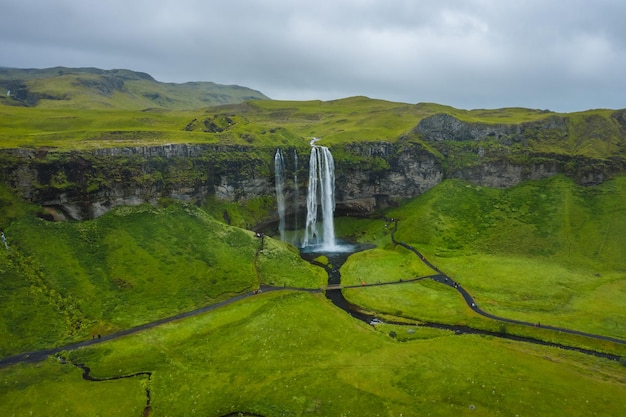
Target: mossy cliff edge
371,174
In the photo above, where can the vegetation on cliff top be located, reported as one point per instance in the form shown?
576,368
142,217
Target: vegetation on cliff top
117,108
359,120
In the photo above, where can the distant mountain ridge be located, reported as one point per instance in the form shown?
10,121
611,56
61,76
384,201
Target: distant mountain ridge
93,88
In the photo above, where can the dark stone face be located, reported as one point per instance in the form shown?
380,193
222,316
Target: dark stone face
369,176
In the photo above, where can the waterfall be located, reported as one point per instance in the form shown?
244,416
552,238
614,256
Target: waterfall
296,189
279,169
321,192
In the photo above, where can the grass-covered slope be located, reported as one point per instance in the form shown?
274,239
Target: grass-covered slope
465,138
489,146
69,281
275,123
93,88
295,354
553,218
547,251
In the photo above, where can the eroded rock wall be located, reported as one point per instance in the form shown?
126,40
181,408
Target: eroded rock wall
369,175
86,184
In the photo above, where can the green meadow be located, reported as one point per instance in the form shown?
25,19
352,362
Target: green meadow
289,353
542,251
78,124
68,281
547,251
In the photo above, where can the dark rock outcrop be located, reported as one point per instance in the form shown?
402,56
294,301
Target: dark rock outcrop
86,184
378,174
369,175
444,127
503,155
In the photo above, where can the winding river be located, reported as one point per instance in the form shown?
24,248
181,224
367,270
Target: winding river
334,293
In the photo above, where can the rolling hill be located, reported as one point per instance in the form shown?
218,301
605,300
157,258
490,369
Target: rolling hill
93,88
524,208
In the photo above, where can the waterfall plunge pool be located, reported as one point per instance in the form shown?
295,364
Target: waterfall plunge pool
337,246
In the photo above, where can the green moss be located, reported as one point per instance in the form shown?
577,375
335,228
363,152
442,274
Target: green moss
244,214
12,207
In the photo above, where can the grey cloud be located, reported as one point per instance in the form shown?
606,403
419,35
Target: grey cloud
563,55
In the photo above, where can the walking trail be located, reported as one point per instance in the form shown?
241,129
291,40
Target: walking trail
39,355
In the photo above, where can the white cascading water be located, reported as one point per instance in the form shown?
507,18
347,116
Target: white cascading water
296,188
279,169
321,192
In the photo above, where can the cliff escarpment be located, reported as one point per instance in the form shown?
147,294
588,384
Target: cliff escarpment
586,147
85,184
370,174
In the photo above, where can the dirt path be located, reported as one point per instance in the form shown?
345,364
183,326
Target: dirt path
444,279
40,355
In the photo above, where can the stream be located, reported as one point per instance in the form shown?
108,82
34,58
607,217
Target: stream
336,261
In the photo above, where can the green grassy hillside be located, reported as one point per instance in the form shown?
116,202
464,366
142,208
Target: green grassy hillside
93,88
87,108
295,354
545,251
272,123
68,281
587,146
552,218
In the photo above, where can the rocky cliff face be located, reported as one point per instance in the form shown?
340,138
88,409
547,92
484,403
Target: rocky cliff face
81,185
377,174
444,127
369,176
503,155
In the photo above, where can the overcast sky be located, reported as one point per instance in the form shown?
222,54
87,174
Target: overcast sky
562,55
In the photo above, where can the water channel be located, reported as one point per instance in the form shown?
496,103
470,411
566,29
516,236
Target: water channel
336,261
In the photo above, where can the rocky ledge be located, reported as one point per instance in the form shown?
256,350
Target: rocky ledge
369,175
